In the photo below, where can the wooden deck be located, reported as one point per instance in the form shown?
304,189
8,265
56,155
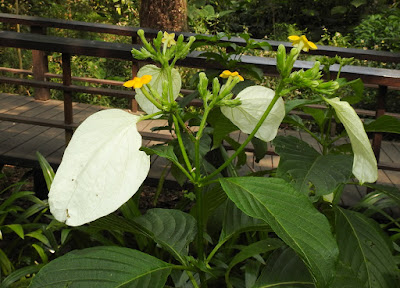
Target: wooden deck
21,141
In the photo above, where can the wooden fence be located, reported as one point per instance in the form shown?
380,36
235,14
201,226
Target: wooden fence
40,44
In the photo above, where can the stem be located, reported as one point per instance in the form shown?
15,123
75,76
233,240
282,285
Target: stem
192,279
258,125
200,232
150,98
197,143
182,147
188,131
145,117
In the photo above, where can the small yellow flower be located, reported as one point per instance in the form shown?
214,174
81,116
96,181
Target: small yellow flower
227,74
169,39
302,42
138,82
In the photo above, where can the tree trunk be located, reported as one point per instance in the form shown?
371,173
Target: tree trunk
170,15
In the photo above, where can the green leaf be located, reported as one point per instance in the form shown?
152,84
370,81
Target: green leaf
38,235
318,115
390,191
364,249
284,269
17,228
338,10
162,151
296,103
385,123
358,3
5,263
292,217
18,274
358,88
172,229
41,253
103,267
222,126
302,165
260,148
236,221
47,170
255,249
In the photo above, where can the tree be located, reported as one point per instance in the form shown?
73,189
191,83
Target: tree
166,15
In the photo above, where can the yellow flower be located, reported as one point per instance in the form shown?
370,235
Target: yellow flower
138,82
169,39
302,42
227,74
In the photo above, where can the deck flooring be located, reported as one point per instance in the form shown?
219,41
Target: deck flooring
21,141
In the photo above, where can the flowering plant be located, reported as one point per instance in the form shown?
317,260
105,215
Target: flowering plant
240,231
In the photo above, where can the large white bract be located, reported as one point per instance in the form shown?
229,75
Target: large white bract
365,168
255,100
101,169
158,75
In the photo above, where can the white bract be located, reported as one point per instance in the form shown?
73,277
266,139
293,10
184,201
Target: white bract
255,100
158,76
364,164
101,169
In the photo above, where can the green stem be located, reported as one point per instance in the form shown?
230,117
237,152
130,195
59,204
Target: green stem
200,231
145,117
192,279
151,98
182,147
197,142
188,131
258,125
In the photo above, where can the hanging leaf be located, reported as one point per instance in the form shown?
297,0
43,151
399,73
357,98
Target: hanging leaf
307,170
365,250
103,267
292,217
222,126
255,100
47,170
365,167
101,169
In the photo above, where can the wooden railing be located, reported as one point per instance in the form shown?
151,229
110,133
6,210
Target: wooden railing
39,43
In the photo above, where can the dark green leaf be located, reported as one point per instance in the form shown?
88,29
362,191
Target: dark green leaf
292,217
103,267
18,274
302,165
47,170
390,191
260,148
364,249
222,126
385,123
172,229
284,269
293,104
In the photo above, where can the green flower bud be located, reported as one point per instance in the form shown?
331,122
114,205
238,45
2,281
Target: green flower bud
216,87
203,84
281,58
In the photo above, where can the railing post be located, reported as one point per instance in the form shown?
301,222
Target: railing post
40,67
380,110
68,114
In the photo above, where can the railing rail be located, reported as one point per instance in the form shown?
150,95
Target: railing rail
40,44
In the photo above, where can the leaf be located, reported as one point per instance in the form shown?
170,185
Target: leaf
5,263
38,235
47,170
296,103
17,228
292,217
365,167
255,101
358,3
159,75
18,274
338,10
385,123
390,191
41,253
260,148
222,126
284,269
255,249
103,267
318,115
301,165
358,87
172,229
236,221
162,151
364,249
102,168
